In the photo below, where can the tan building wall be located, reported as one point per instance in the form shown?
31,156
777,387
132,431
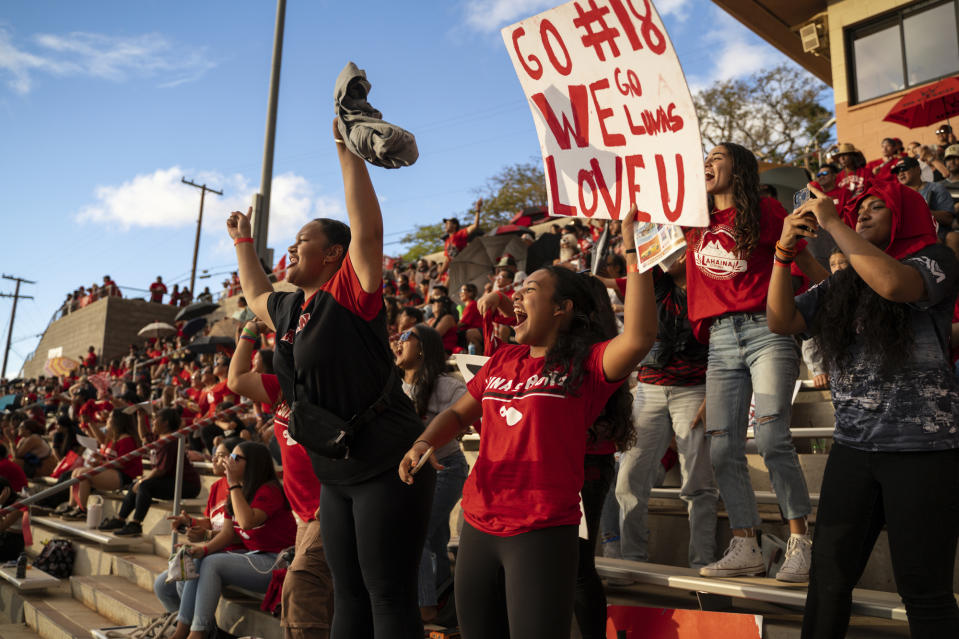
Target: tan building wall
862,124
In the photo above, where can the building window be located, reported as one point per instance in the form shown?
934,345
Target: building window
910,47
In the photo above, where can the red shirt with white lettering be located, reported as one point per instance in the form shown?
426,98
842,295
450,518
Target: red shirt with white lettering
529,470
278,531
718,279
300,484
216,510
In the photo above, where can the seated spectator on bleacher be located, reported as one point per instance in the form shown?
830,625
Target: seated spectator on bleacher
11,535
243,314
945,138
119,440
471,322
925,155
217,392
33,453
201,530
444,321
159,483
881,168
934,193
11,471
258,516
854,176
158,290
409,317
951,180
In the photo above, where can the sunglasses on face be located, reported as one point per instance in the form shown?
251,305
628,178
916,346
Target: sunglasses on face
408,335
823,173
236,457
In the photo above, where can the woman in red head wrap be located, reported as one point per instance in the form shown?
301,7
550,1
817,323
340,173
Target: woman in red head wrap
882,328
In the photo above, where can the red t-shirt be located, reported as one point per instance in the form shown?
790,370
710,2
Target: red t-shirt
279,529
157,290
884,173
455,242
529,470
13,474
471,317
718,280
300,484
119,448
854,181
218,393
216,510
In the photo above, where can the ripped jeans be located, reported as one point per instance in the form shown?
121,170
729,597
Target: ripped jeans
746,357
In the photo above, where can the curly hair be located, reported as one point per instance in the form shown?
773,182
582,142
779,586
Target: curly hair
851,312
593,322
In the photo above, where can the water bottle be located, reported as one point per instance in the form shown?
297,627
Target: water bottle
22,566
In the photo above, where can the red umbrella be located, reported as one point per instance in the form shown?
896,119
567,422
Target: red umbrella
928,105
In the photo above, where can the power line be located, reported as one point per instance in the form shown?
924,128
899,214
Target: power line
13,314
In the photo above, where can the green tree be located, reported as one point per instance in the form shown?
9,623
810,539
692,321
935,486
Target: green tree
775,113
514,188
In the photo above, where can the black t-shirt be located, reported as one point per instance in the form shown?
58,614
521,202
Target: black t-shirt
339,342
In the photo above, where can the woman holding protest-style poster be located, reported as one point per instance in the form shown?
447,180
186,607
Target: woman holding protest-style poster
727,277
537,398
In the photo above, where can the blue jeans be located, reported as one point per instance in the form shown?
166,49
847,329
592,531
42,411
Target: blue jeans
435,562
660,412
197,599
746,358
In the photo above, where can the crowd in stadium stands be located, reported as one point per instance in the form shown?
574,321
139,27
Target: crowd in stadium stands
728,325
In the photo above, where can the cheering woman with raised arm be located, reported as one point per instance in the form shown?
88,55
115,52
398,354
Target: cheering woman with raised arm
538,399
332,351
882,327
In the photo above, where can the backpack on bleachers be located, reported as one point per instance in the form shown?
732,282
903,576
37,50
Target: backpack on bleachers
56,558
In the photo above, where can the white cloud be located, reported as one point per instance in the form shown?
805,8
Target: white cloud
115,58
734,50
489,15
161,200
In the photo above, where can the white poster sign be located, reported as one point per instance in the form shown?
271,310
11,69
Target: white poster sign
613,113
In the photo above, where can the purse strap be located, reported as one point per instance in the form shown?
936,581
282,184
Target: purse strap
379,405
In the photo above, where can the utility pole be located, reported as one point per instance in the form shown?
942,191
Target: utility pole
196,243
13,314
261,201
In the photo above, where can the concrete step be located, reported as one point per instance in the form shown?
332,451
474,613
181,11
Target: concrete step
61,616
116,599
16,631
141,569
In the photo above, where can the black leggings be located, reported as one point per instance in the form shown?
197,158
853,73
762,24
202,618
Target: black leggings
373,536
148,490
520,586
916,495
590,606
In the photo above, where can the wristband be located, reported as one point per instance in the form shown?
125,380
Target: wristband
247,338
788,251
631,251
780,260
206,549
424,441
781,264
242,240
235,486
247,331
632,268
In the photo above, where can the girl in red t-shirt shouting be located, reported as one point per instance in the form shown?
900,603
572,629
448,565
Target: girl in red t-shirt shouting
537,399
728,266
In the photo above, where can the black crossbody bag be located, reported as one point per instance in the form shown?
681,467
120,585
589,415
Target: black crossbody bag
327,434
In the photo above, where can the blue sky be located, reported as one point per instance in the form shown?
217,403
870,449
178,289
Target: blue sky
105,105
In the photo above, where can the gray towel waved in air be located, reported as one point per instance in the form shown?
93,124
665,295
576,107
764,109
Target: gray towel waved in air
362,128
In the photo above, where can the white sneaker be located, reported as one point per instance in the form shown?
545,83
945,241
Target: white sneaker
742,559
795,568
